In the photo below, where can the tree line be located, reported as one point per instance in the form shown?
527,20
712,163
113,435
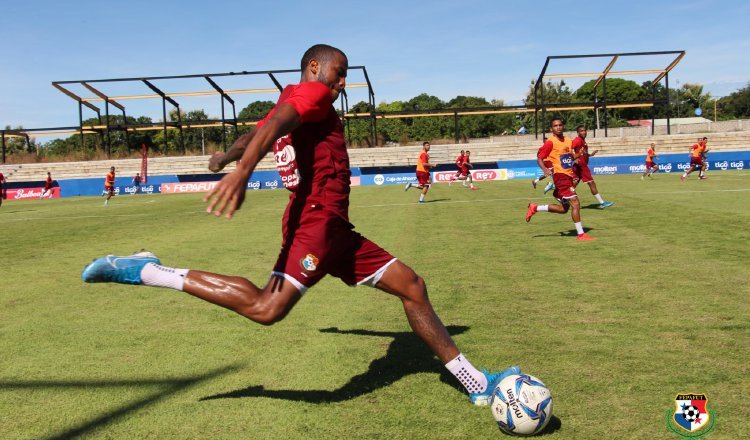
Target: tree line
683,103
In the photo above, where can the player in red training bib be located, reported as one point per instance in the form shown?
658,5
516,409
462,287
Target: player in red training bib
317,238
558,149
48,185
651,165
581,171
698,152
109,185
464,172
423,172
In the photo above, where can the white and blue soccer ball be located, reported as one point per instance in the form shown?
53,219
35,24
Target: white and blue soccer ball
521,405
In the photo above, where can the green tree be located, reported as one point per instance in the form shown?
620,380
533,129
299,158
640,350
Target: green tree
736,105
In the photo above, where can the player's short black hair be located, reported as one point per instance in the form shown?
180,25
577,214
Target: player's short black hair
556,118
425,143
320,52
580,127
705,139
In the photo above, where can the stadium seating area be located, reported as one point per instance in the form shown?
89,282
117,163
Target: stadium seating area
496,149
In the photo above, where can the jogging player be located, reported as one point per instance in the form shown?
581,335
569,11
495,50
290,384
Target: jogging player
423,172
48,185
698,152
109,185
651,165
317,236
558,149
581,171
465,172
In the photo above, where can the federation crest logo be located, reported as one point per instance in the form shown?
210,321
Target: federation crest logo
691,417
309,263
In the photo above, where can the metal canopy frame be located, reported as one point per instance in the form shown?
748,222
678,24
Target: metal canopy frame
105,127
601,78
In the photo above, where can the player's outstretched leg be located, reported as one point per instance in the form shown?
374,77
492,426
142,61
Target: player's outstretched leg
400,280
264,306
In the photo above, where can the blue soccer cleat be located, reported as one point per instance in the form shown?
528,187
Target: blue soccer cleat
114,269
550,186
605,205
484,398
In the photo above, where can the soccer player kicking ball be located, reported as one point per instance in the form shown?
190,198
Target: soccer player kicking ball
423,172
317,237
581,171
558,149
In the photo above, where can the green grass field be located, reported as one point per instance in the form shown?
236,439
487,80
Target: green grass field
659,305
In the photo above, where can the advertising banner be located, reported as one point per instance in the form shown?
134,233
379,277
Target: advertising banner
477,175
29,193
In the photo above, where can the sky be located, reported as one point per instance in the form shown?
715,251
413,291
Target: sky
491,49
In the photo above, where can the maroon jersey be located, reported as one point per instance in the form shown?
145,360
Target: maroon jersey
460,160
48,183
313,161
579,144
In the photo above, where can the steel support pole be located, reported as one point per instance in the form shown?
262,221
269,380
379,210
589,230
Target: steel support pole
604,96
669,105
455,126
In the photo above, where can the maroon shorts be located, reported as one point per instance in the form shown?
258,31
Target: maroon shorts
650,164
564,188
423,177
582,173
325,244
109,189
696,161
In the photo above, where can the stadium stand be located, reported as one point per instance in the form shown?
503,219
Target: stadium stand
483,151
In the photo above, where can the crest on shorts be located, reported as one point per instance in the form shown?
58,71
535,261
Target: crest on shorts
691,417
309,263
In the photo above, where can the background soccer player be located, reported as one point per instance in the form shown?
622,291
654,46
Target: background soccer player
109,185
2,188
558,149
459,165
697,153
137,182
581,171
423,172
651,165
317,236
465,172
48,184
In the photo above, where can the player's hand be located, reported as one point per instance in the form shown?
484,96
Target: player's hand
228,195
216,163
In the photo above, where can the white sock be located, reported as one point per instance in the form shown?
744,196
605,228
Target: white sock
579,228
155,275
599,198
472,185
421,197
536,180
684,175
472,379
542,208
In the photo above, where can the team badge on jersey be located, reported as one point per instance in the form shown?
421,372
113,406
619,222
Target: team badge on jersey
309,263
691,417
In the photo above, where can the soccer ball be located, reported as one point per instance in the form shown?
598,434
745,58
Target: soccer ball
521,404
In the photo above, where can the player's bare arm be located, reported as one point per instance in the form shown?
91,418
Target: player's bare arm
547,171
229,194
220,159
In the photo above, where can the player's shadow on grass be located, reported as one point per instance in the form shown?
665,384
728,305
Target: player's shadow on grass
406,355
107,415
570,233
591,206
437,200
